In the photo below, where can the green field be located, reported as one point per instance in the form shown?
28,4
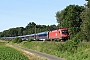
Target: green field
8,53
67,50
70,50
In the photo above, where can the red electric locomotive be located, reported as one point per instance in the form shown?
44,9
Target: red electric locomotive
60,34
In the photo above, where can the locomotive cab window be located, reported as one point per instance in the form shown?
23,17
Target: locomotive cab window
64,31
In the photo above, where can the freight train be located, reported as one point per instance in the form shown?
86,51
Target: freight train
59,34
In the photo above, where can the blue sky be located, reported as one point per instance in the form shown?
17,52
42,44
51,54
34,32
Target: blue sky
18,13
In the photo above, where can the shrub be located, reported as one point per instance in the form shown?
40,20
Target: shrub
67,46
70,45
29,40
17,40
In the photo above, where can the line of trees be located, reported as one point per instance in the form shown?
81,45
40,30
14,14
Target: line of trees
29,29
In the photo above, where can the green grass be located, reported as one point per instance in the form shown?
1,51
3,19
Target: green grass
41,46
63,50
82,53
8,53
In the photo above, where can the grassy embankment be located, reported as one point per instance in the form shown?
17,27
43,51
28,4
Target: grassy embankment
69,50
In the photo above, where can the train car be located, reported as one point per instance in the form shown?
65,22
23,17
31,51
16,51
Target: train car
31,36
42,36
8,38
23,37
60,34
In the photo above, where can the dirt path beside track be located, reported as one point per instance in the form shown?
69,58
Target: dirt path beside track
39,54
30,55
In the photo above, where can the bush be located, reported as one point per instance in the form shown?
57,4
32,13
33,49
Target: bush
29,40
77,39
17,40
70,45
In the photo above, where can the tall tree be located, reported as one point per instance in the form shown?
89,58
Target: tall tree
20,30
85,27
30,25
70,18
1,34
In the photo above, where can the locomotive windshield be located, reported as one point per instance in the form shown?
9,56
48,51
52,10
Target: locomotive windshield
64,31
